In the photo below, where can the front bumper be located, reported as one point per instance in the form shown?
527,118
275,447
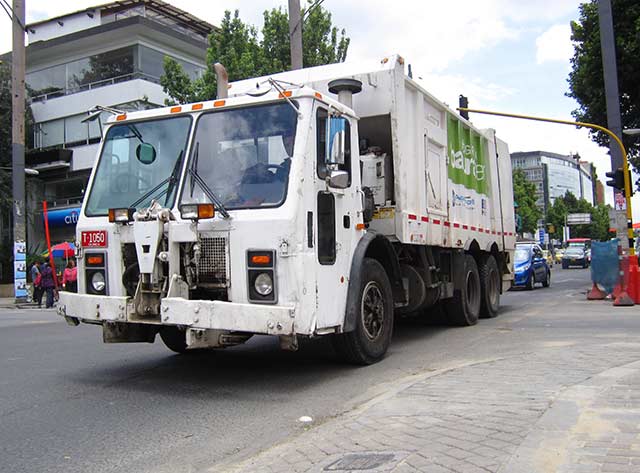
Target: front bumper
219,315
521,277
574,261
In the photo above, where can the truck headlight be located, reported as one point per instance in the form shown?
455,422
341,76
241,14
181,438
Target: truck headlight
263,284
97,281
120,215
261,273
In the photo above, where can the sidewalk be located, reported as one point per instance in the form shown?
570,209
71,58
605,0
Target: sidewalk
568,407
10,303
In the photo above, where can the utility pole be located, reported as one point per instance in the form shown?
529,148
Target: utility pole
295,34
614,122
17,149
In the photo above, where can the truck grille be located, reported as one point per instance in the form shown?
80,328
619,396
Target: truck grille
213,266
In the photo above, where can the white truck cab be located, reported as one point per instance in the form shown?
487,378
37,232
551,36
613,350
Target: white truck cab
318,202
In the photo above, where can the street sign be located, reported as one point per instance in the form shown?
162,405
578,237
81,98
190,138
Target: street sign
542,235
579,219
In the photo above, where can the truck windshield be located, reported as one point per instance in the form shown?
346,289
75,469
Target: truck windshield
243,155
136,158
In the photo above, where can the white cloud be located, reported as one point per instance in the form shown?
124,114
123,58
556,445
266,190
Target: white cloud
554,45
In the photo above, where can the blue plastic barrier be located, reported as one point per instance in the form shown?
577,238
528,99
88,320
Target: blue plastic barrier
605,264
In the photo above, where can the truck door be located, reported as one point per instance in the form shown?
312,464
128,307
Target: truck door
337,213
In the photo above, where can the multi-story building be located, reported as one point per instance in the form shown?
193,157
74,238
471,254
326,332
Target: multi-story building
110,55
555,174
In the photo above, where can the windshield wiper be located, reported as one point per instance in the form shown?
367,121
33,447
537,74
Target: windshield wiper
172,179
195,178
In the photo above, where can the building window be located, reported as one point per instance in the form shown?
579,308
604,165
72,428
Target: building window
102,69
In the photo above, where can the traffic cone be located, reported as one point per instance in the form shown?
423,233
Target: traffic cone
595,294
633,286
623,298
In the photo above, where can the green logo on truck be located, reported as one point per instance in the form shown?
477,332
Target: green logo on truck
466,157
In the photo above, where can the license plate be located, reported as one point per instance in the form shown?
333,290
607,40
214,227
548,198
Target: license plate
94,239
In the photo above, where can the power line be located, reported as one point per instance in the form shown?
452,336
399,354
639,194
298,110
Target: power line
306,13
6,11
5,5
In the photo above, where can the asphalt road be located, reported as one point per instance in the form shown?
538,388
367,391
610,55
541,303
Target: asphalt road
69,403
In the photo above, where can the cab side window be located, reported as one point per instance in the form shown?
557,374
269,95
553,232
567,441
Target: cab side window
321,145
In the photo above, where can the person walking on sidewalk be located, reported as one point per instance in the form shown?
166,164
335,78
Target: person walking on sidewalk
36,279
48,283
70,277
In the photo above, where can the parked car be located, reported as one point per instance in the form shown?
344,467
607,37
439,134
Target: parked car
530,266
575,256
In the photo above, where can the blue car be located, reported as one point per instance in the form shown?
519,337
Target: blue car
530,266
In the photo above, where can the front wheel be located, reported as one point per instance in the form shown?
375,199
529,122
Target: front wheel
547,279
531,281
174,338
370,339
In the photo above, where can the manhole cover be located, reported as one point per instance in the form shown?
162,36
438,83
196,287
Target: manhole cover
360,461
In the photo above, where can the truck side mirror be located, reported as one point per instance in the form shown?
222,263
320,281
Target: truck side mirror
336,139
338,179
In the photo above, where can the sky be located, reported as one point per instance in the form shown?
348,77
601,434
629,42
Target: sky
504,55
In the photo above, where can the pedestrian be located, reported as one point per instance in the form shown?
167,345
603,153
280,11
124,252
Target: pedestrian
37,283
70,277
48,283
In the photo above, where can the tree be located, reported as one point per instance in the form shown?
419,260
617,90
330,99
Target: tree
524,194
244,54
598,229
6,191
586,81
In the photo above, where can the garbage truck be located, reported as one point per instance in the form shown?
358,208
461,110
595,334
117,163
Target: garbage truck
318,202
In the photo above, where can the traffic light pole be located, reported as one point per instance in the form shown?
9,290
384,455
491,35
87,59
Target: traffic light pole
593,126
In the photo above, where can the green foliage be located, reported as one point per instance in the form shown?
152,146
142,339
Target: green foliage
524,194
245,53
586,81
6,191
568,204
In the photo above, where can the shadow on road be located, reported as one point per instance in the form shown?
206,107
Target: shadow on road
246,369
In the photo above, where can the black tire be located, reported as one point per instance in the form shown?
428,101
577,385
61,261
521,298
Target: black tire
565,266
489,286
174,338
547,279
531,282
463,309
369,341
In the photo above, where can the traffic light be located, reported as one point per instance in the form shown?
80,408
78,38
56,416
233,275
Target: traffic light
617,179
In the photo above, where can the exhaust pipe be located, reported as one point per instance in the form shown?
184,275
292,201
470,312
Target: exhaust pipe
345,88
222,78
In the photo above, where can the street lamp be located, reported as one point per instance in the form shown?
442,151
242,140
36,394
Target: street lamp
28,171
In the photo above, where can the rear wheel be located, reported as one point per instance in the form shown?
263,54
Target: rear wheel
464,308
370,339
174,338
489,286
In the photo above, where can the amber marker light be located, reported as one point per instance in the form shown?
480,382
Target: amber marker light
95,260
119,118
261,259
219,103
